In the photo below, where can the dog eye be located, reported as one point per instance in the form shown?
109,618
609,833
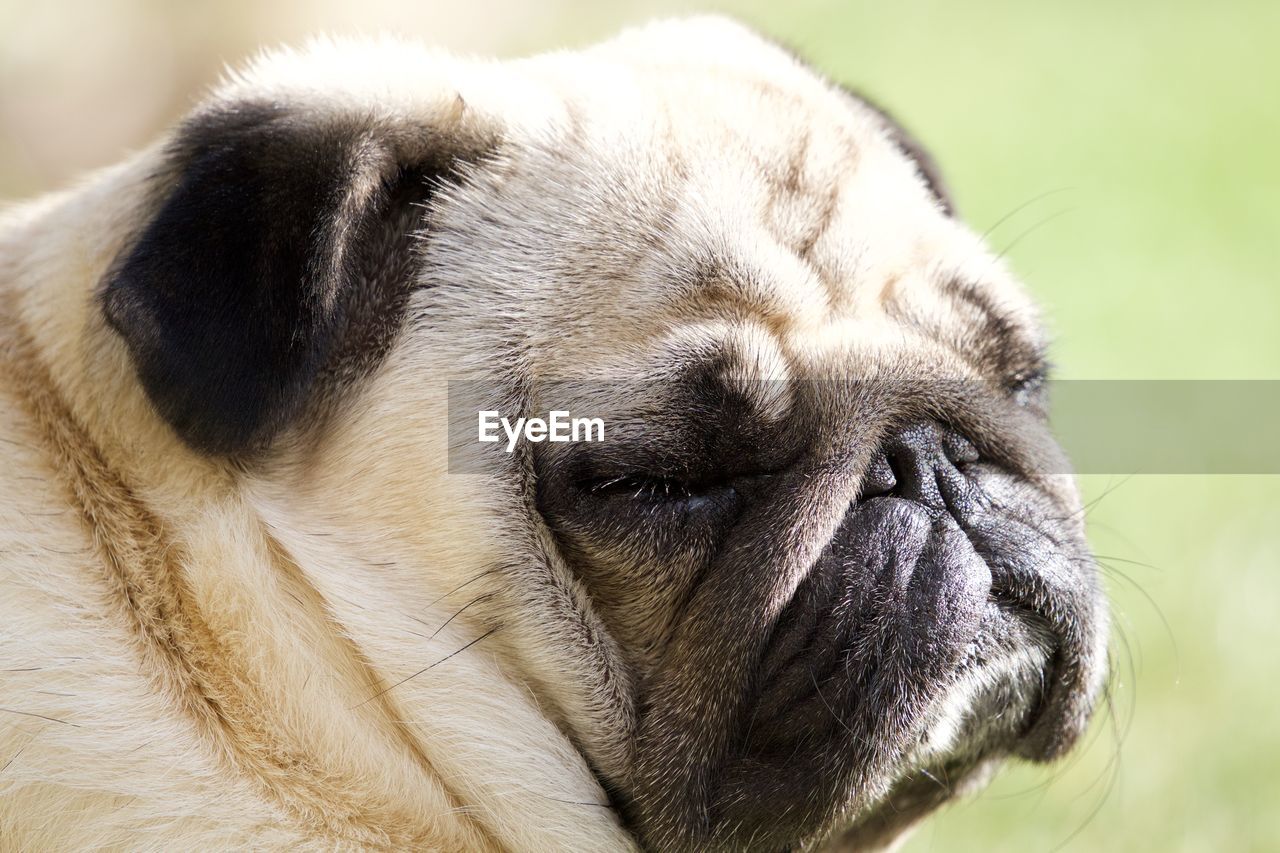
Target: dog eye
1027,385
656,489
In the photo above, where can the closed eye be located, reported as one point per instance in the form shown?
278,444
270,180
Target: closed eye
641,487
1027,384
657,489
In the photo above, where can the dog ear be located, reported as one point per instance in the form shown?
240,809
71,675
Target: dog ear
282,242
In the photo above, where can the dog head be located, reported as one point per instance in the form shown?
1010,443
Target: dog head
827,569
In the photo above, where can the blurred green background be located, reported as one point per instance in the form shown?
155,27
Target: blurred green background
1127,155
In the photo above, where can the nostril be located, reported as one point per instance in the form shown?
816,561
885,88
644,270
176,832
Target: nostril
920,463
879,480
960,450
915,463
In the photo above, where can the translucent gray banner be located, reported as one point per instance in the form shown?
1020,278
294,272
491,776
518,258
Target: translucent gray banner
1105,426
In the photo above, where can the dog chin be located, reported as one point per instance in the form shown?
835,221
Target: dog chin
967,735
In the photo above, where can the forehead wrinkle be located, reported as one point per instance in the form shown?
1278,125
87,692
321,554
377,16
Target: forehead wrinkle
727,292
880,233
971,321
757,367
848,224
736,254
775,242
803,172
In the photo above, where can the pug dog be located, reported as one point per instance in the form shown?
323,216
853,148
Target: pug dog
826,571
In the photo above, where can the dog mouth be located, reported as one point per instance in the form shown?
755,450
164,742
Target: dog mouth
951,622
884,620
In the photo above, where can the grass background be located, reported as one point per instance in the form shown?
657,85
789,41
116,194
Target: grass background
1126,154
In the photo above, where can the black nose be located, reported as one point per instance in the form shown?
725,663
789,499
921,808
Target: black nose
921,462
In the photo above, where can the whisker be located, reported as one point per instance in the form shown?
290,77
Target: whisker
458,612
40,717
1003,219
460,586
1036,226
386,690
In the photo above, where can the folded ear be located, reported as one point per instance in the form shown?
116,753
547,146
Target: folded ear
283,249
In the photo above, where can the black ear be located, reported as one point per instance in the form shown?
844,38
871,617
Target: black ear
925,165
282,251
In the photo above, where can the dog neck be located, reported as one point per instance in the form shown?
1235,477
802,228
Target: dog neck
218,615
249,633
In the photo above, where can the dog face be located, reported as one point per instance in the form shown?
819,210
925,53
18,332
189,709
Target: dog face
828,567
